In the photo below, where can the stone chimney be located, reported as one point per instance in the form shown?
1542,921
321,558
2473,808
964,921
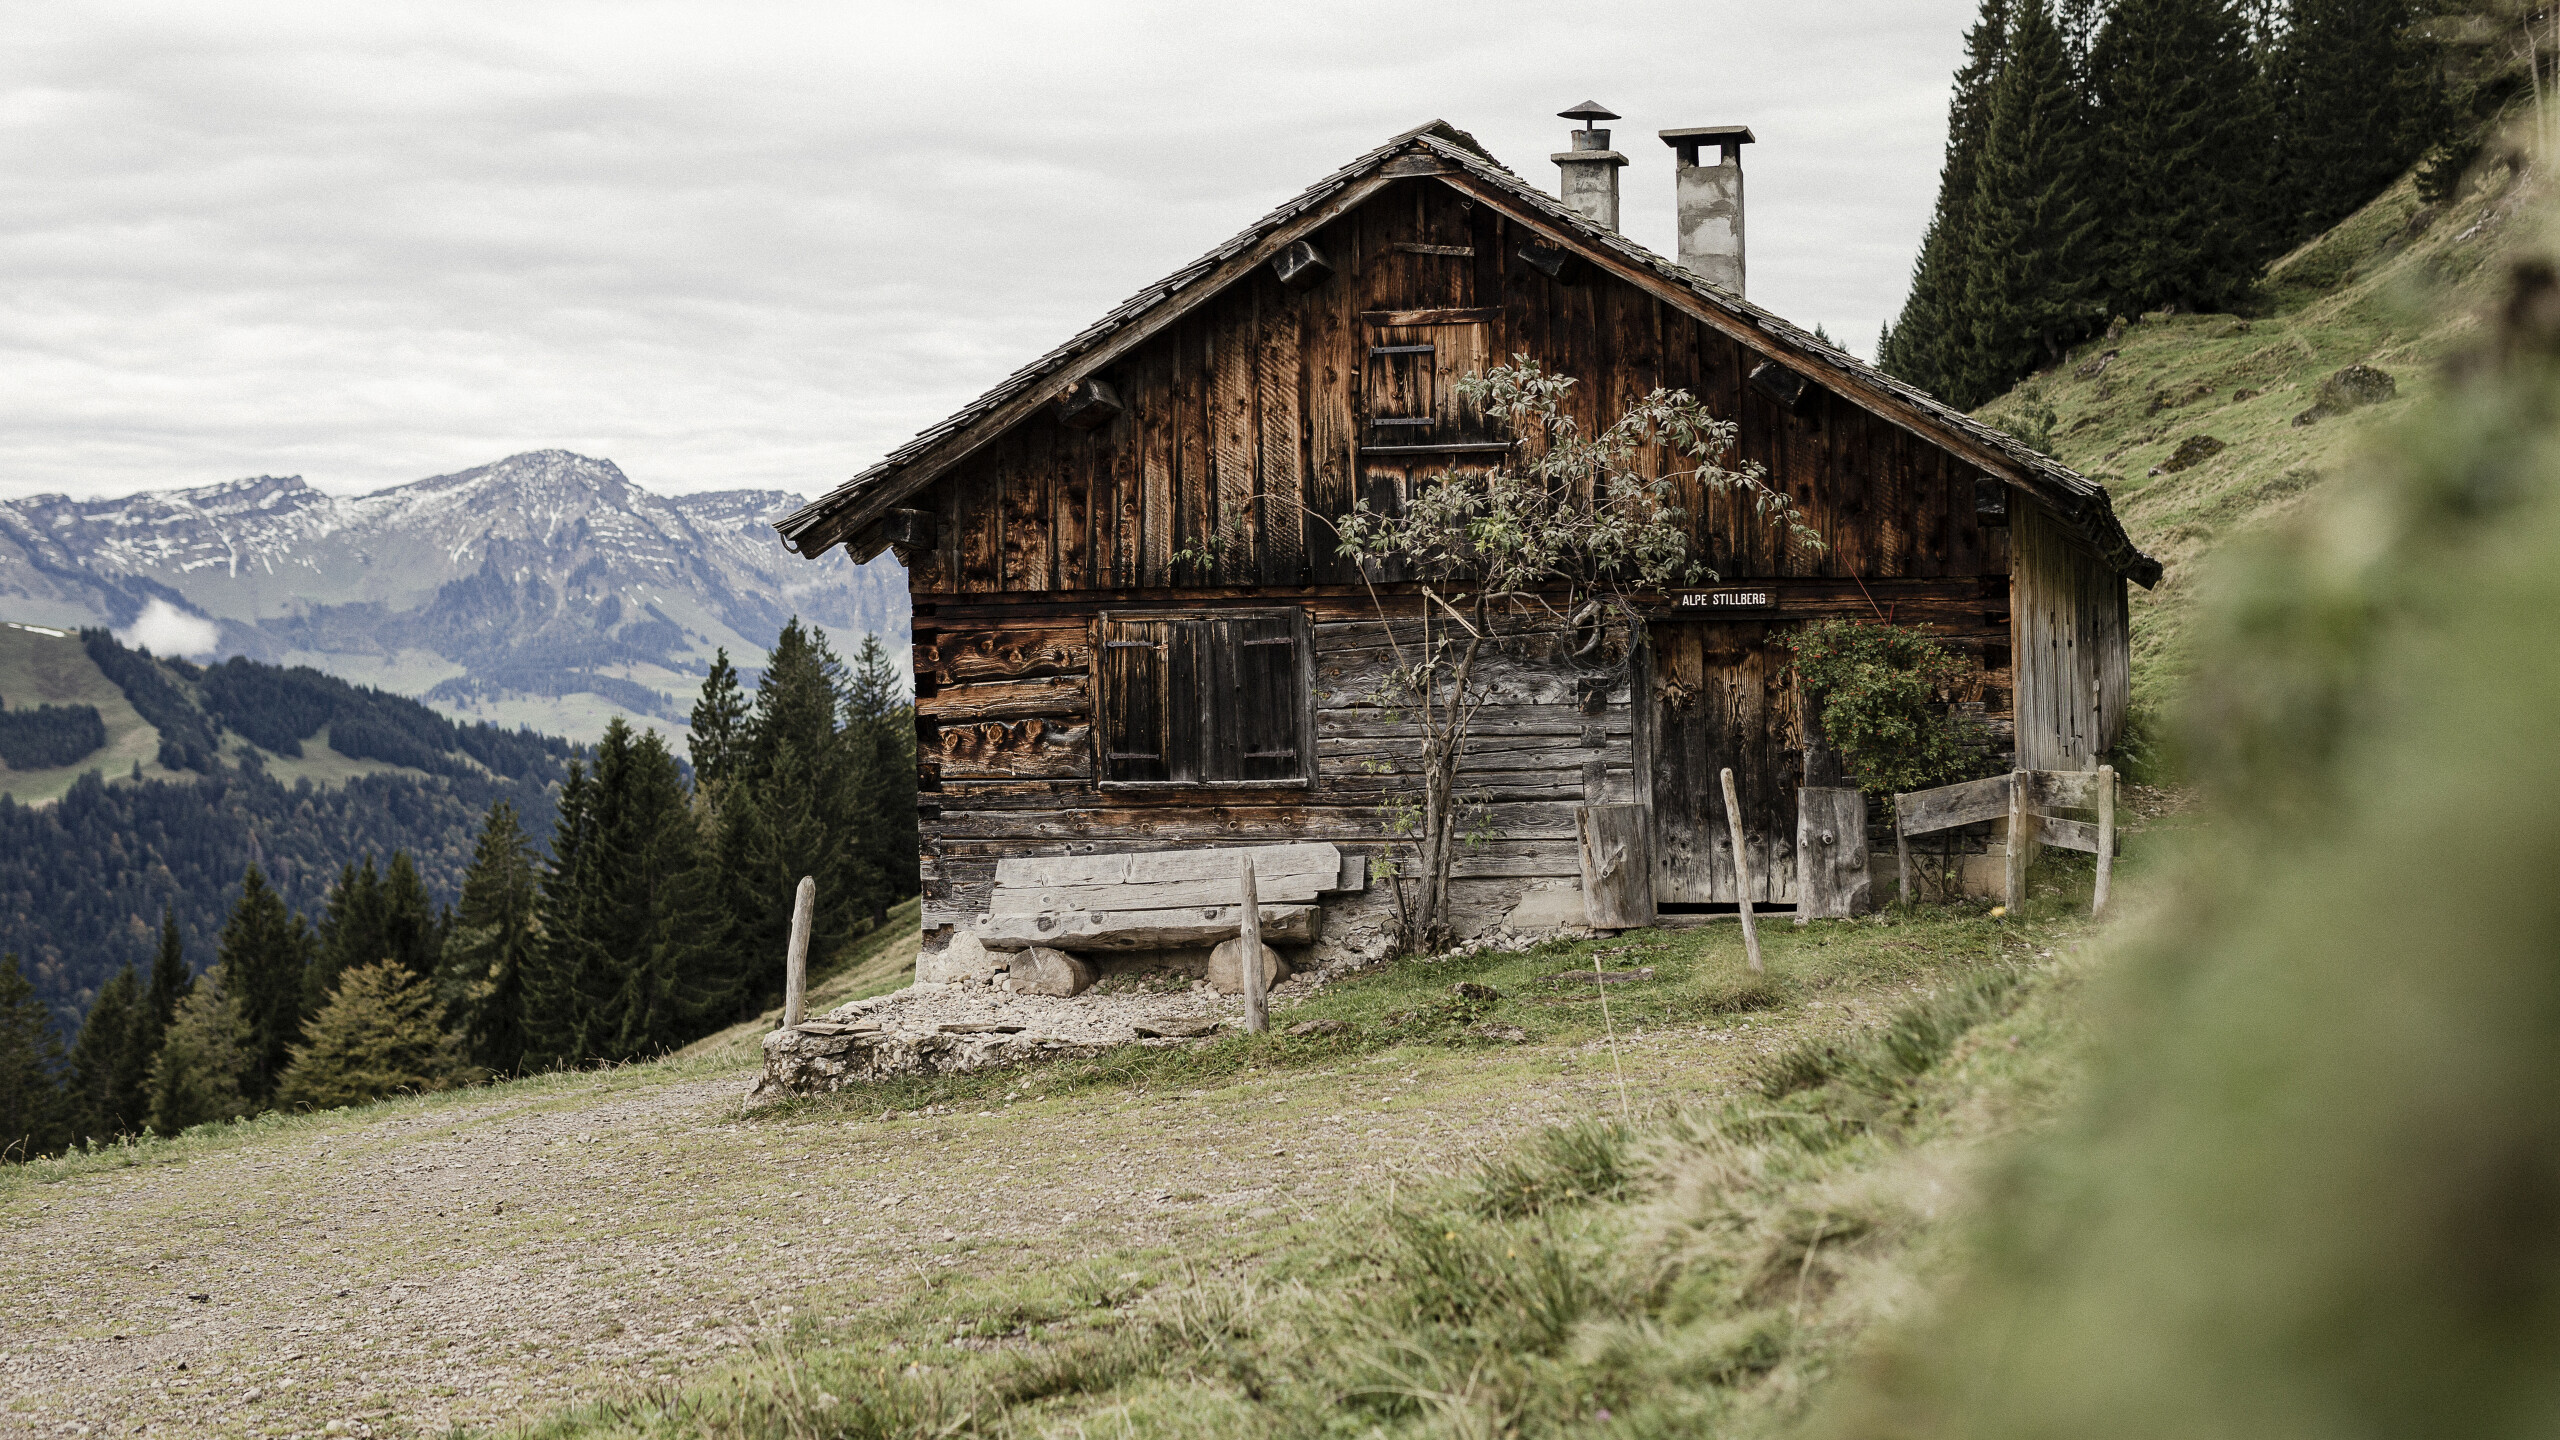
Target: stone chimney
1591,167
1710,202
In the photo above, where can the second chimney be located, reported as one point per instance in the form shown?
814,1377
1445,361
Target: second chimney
1710,202
1591,167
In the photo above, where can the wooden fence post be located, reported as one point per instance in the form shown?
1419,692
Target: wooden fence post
1741,872
1617,865
1257,1018
1902,849
795,973
2022,838
2106,838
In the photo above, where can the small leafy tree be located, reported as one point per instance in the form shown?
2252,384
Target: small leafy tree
1882,692
210,1047
1546,549
381,1033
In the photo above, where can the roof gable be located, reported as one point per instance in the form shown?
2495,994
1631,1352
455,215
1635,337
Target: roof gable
1442,151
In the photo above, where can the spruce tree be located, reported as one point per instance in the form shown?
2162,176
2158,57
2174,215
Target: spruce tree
879,709
350,931
797,809
170,981
564,981
718,725
369,916
380,1033
2182,138
635,956
491,942
2028,294
210,1051
31,1102
111,1060
1933,329
2357,103
266,951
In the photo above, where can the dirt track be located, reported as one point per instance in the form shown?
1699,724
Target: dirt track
484,1259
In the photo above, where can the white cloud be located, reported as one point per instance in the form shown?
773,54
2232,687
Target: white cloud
761,244
164,629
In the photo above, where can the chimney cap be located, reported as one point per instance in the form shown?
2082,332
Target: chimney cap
1702,135
1589,112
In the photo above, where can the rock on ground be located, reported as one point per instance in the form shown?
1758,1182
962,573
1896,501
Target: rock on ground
1226,968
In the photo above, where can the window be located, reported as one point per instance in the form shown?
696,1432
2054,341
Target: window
1216,699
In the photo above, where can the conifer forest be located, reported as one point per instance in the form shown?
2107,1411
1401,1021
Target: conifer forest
2106,160
635,902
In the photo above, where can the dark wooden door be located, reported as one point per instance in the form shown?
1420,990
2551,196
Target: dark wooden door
1721,697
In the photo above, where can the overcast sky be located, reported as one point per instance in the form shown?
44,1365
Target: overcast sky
759,244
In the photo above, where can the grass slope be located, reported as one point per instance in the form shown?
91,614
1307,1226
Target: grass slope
1696,1258
42,667
1250,1236
2398,285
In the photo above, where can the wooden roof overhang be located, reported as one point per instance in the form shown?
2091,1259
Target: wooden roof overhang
1443,152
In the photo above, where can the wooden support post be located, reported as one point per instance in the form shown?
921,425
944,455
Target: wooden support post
1617,865
795,971
1257,1017
1741,872
2106,838
1902,849
2022,839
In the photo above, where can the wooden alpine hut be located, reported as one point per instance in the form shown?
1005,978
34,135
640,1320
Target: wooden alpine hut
1122,649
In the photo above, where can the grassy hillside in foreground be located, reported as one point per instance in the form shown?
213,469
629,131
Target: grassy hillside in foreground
2397,286
1212,1239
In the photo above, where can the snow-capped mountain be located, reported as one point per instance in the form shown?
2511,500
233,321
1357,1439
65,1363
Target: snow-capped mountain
546,587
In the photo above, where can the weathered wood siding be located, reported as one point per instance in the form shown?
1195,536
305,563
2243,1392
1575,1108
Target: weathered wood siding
1007,717
2072,647
1250,426
1252,423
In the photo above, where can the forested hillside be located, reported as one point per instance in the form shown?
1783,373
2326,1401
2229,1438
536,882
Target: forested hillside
499,904
291,770
2205,295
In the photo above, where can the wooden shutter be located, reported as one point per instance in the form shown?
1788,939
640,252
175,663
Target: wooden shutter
1132,699
1256,704
1220,699
1409,386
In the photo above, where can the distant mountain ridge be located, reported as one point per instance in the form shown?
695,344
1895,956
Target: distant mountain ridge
546,575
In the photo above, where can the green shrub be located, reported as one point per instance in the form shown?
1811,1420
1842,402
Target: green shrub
1884,692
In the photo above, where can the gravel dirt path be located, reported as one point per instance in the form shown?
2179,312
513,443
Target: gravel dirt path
487,1258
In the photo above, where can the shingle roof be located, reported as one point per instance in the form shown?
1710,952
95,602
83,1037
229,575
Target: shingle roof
2081,502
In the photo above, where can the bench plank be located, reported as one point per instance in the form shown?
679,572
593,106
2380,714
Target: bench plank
1168,895
1082,930
1062,869
1269,863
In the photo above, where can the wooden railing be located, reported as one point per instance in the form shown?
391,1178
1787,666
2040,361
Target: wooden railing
2022,797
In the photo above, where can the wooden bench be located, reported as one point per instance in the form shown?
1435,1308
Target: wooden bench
1163,900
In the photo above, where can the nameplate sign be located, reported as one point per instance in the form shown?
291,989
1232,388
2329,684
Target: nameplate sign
1725,600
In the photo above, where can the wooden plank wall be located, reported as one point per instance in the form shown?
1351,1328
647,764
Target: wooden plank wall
1006,718
1241,439
1238,446
2073,677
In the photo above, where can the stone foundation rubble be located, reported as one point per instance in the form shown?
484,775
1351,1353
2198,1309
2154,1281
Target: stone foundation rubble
980,1023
